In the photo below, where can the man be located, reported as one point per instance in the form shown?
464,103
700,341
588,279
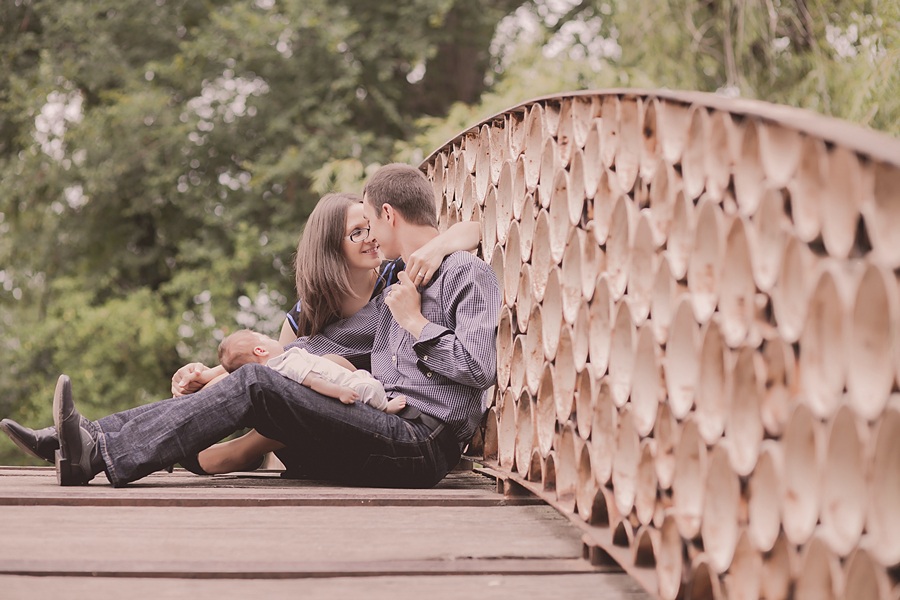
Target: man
434,344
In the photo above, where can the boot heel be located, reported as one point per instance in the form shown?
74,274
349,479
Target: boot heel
63,469
68,474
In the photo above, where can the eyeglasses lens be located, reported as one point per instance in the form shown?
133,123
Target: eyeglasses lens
359,235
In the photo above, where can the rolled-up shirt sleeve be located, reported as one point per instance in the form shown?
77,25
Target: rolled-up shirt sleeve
466,354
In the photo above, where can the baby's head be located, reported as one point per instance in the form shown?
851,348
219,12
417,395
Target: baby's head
245,346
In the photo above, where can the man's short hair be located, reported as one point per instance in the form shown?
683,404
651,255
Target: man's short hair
406,189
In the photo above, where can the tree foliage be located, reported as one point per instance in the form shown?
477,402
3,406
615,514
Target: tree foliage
837,57
156,163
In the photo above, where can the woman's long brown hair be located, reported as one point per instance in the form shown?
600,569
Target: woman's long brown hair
322,274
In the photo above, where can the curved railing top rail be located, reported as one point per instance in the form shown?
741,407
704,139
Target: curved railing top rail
867,142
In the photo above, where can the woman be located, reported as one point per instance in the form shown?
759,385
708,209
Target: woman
338,270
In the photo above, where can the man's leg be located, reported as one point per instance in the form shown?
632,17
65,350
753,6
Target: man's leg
353,443
357,443
140,441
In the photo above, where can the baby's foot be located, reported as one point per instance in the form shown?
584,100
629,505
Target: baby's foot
395,405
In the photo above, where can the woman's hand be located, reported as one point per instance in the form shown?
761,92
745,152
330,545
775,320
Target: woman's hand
192,377
425,261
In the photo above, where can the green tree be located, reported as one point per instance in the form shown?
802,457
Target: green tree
836,57
157,162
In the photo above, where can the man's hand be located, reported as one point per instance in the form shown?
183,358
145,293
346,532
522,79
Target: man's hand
405,304
348,395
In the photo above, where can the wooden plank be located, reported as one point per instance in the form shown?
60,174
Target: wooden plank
37,487
594,536
324,541
483,587
299,569
266,501
196,536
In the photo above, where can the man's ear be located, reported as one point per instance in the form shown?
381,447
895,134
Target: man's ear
389,213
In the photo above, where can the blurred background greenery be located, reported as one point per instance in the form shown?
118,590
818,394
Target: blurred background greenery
158,157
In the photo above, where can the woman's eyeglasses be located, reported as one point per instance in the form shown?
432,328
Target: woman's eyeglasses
359,235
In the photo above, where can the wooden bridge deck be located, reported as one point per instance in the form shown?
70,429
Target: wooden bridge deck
182,536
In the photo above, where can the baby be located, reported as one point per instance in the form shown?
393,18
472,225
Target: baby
330,375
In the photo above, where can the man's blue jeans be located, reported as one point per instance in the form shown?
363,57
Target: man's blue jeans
354,443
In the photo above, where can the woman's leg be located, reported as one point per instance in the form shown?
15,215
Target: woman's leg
237,454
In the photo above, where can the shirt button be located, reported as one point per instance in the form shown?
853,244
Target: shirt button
425,358
428,374
394,358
